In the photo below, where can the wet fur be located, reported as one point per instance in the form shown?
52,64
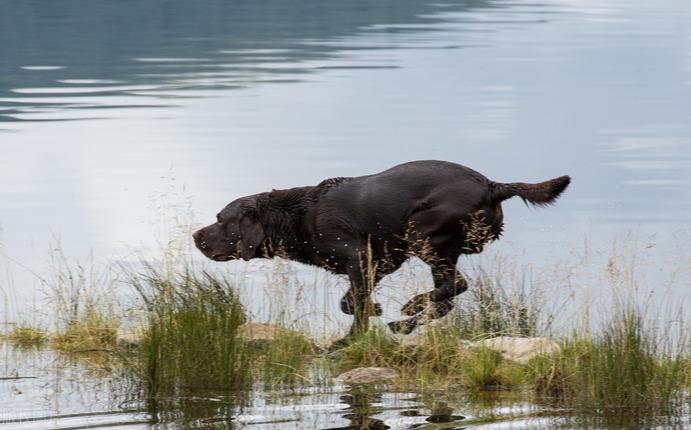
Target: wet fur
436,210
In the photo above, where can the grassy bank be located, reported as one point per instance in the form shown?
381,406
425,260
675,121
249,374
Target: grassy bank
627,369
81,296
194,339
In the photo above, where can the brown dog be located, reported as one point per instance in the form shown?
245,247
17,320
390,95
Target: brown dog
367,226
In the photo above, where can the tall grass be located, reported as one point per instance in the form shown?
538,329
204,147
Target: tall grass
26,335
626,371
192,340
284,362
84,303
196,337
488,310
81,296
436,358
629,367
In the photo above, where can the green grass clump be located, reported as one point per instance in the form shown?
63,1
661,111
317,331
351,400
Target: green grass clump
436,358
93,330
485,369
26,335
83,295
441,354
192,341
197,338
284,360
490,311
375,348
626,372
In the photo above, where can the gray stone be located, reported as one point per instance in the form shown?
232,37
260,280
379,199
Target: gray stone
520,349
261,335
420,342
128,337
413,343
132,328
368,375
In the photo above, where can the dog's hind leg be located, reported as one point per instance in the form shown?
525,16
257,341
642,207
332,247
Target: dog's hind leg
433,311
351,296
448,283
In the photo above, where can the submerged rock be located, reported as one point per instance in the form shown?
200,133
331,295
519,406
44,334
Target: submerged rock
520,349
368,375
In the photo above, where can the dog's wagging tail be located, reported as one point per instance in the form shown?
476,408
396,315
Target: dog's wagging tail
540,194
365,227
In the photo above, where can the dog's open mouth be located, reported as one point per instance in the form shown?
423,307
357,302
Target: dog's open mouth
220,257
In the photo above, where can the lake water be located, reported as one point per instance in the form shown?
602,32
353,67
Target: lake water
109,109
45,390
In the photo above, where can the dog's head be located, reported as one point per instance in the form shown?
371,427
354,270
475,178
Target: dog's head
237,232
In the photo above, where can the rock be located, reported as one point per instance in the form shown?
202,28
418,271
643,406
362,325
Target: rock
368,375
261,335
127,337
414,343
520,349
423,341
132,328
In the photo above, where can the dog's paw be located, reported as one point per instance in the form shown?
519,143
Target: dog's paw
348,308
416,305
376,309
339,344
403,327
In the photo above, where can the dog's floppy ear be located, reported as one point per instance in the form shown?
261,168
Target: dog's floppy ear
251,233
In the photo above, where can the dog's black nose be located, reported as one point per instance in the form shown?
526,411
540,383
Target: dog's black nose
197,235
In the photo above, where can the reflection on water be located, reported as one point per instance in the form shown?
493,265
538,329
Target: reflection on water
40,389
361,410
65,61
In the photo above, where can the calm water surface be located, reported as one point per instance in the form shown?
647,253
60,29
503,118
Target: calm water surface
108,108
102,103
49,391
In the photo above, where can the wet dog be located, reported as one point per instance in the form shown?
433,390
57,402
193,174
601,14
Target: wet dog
365,227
